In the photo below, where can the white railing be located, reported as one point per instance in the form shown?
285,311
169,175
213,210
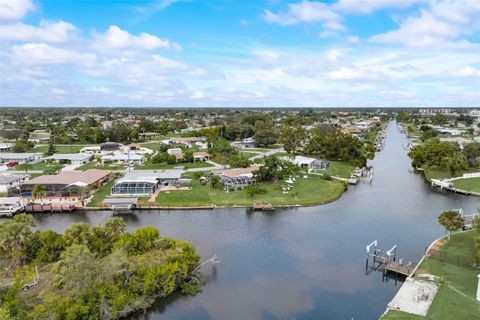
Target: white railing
471,175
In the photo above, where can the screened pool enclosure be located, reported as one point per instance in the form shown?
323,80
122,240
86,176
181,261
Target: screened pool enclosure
133,187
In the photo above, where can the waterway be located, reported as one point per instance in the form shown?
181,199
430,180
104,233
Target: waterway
302,263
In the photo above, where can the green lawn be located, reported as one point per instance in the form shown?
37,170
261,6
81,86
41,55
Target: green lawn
60,149
311,191
340,169
247,154
46,168
449,303
101,194
472,184
96,165
148,165
435,173
155,146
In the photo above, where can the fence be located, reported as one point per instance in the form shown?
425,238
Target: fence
471,175
456,260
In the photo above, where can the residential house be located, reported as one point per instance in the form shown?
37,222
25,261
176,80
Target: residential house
311,164
77,159
39,136
67,183
201,156
6,147
141,183
17,157
9,181
237,178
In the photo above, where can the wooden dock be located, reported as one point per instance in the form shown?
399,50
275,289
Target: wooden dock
405,269
48,208
263,207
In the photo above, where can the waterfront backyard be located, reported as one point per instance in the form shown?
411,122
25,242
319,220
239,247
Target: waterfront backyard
452,265
310,191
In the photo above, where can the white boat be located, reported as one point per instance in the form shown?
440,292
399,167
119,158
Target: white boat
9,206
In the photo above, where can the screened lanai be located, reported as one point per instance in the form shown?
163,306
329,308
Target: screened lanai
134,187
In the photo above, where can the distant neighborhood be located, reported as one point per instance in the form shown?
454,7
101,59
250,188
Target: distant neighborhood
198,159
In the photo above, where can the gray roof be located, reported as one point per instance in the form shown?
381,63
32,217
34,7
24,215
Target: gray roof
114,201
16,155
150,176
70,156
8,178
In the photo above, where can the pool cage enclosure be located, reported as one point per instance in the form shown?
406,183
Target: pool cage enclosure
239,182
137,188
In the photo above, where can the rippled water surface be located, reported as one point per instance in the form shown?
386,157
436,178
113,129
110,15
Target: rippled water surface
304,263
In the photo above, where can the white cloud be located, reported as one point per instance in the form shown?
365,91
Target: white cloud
41,53
197,95
307,12
116,38
368,6
345,73
11,10
468,72
423,31
47,31
443,24
100,89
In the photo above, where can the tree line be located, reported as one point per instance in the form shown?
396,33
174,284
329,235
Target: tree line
90,272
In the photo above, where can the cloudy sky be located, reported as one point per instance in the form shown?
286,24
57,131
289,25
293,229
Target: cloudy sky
243,53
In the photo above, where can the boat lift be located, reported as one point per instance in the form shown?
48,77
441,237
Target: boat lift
380,257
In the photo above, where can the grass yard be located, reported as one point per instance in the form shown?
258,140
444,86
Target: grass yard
472,184
155,146
148,165
60,149
41,166
340,169
247,154
262,150
456,297
311,191
101,194
96,165
435,173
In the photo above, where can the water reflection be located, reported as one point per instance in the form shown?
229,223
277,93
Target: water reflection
302,263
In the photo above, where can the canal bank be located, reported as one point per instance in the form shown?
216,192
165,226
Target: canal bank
306,262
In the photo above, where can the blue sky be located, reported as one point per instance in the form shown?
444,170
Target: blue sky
167,53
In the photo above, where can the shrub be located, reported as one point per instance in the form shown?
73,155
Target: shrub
254,189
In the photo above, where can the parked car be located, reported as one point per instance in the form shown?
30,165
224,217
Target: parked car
12,164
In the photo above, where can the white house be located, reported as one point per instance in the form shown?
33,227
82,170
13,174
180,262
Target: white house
16,157
71,158
124,158
309,163
6,147
91,150
174,151
8,181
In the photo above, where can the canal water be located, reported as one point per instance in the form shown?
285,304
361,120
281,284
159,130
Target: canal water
303,263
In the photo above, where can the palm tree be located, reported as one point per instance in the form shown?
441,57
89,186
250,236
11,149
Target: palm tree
14,236
38,191
451,221
82,192
25,166
115,226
